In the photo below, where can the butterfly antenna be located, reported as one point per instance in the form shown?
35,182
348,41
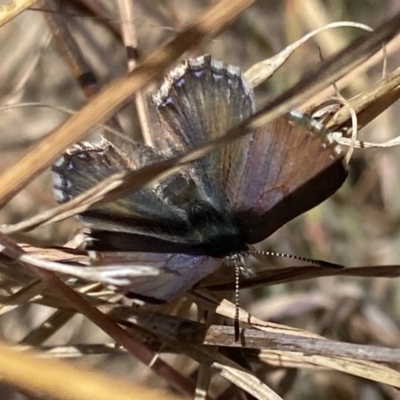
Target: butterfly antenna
237,302
320,263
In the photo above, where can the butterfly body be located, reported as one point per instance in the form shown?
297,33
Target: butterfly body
189,223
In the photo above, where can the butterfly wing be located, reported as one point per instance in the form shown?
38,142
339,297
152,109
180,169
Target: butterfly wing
146,212
290,166
177,273
198,102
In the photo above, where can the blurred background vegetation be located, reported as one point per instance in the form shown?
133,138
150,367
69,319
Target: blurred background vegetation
358,226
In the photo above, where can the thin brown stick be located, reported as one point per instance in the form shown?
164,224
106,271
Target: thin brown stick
130,39
71,53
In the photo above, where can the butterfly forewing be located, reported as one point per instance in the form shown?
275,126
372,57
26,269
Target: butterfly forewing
147,212
292,166
198,102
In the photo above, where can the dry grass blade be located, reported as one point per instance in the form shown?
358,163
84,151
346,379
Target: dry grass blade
111,275
245,381
45,378
129,37
263,70
370,103
71,52
275,276
13,8
256,339
378,373
76,351
66,45
51,326
38,336
375,372
24,295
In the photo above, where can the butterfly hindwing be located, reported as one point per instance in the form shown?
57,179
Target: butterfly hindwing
177,273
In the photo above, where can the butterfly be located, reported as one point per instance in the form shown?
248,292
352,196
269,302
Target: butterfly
189,224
